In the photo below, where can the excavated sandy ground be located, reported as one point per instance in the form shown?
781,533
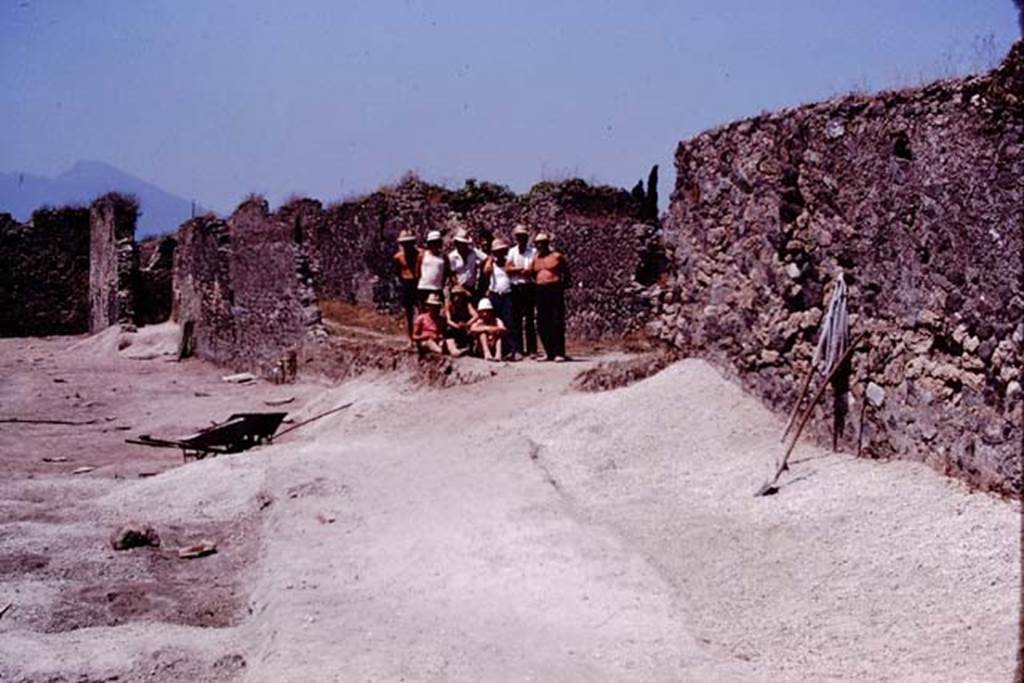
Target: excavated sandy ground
508,529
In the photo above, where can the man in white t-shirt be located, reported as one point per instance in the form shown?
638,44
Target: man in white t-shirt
520,273
464,261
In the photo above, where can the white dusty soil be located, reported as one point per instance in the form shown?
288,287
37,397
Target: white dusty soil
511,529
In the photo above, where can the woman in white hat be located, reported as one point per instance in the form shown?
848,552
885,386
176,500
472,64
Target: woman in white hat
488,330
433,267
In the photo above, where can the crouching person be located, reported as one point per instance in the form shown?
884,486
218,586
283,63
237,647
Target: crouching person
488,330
428,328
459,316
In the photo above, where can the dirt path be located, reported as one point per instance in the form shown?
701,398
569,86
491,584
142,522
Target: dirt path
516,529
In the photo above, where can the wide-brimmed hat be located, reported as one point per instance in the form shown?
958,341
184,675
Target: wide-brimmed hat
434,299
520,229
542,237
499,244
406,236
460,290
462,235
485,305
434,236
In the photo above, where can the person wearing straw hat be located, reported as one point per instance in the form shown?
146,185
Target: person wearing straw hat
464,261
520,272
551,270
433,267
489,330
428,328
499,291
406,261
459,316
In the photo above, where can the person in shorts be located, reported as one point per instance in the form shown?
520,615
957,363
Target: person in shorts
406,261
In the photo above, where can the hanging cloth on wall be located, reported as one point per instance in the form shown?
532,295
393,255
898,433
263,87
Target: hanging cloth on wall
835,330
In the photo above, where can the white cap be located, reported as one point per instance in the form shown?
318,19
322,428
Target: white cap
485,305
434,236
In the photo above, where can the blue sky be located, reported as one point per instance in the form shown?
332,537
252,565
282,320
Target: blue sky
216,99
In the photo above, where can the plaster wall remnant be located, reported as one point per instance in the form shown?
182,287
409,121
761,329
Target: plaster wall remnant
917,196
245,286
113,261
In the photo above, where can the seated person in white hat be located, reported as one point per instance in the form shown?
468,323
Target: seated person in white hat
488,330
433,267
428,328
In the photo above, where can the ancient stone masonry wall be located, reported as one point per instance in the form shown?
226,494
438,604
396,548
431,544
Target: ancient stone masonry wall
154,287
244,285
44,273
606,233
113,261
917,197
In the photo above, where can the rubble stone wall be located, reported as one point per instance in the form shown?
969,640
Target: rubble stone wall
154,286
113,261
602,230
44,273
917,197
244,285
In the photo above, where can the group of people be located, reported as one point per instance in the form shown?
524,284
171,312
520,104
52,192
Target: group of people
491,300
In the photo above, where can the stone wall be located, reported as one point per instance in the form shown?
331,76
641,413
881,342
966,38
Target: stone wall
154,286
606,232
916,196
44,273
113,261
244,286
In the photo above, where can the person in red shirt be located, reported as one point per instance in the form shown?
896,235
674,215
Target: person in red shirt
428,327
551,270
406,261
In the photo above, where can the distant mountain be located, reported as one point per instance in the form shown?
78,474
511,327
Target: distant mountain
161,211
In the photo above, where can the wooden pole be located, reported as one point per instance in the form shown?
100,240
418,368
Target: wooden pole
770,487
799,400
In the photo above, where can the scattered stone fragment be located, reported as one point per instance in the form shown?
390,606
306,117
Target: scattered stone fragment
134,535
875,395
55,458
239,378
200,549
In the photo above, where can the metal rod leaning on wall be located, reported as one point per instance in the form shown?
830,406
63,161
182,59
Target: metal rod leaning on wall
770,486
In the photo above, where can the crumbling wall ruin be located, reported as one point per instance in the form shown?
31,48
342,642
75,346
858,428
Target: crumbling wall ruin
917,197
154,286
243,288
44,273
74,270
607,234
113,261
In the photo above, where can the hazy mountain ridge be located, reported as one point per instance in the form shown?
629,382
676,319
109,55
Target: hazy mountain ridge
23,193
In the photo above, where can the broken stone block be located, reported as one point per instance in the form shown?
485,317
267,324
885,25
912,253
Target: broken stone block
875,395
134,536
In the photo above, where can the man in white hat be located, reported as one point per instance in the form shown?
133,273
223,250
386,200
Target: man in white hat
433,267
464,261
520,273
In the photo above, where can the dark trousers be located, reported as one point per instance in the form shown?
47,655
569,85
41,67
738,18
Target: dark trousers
551,319
523,329
503,309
